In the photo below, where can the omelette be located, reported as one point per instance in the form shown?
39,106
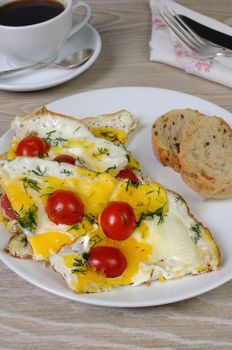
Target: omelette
74,196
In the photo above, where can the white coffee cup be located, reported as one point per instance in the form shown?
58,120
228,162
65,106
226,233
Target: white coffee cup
40,42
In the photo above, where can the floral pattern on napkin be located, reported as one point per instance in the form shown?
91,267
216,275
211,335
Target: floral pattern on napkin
166,48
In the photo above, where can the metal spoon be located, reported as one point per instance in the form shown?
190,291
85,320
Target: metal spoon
72,61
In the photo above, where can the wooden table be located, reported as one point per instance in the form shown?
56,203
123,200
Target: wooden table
34,319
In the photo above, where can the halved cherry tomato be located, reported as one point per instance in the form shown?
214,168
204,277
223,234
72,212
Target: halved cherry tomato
65,158
32,146
64,207
118,220
108,260
6,206
127,174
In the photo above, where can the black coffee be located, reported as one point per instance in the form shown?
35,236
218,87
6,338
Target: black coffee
28,12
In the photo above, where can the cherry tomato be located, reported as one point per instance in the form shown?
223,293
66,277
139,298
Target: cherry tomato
108,260
118,220
6,206
64,207
65,158
127,174
31,146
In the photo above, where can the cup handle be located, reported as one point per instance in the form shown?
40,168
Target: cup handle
87,15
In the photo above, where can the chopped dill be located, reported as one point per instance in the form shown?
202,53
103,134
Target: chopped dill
110,168
80,264
197,233
76,129
150,192
24,241
179,198
48,138
94,240
109,135
150,216
80,161
39,172
28,220
58,140
74,227
90,218
131,183
66,172
53,141
101,152
30,183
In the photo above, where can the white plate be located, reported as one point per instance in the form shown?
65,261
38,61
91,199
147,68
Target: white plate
146,104
48,77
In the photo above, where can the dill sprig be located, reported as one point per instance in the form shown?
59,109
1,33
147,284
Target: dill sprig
39,172
110,135
53,141
66,172
150,216
179,198
80,264
131,183
58,140
78,128
30,183
94,240
197,233
28,218
80,161
90,218
101,152
74,227
110,168
48,138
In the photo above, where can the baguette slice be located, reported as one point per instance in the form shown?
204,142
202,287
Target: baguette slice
121,120
166,133
206,156
19,247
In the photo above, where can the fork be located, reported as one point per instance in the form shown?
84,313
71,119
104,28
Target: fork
190,38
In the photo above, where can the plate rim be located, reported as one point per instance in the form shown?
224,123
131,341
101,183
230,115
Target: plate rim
124,304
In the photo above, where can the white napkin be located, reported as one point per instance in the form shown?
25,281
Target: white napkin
166,48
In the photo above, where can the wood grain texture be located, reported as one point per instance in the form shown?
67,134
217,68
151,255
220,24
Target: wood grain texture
34,319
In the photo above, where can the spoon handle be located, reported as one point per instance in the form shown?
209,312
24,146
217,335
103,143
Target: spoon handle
8,73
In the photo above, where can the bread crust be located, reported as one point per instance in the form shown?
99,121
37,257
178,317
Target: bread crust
204,183
104,119
166,132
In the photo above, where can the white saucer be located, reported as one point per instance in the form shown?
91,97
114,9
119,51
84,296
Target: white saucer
48,77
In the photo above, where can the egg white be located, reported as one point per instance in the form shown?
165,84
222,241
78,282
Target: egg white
174,251
65,135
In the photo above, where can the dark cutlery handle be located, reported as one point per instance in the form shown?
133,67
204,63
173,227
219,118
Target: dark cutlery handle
208,33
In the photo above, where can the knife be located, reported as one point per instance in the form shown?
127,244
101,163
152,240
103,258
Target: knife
208,33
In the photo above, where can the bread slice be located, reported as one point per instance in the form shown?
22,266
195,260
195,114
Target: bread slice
19,247
121,120
206,156
166,133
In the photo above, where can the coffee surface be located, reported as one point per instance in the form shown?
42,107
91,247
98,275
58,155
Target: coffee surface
28,12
